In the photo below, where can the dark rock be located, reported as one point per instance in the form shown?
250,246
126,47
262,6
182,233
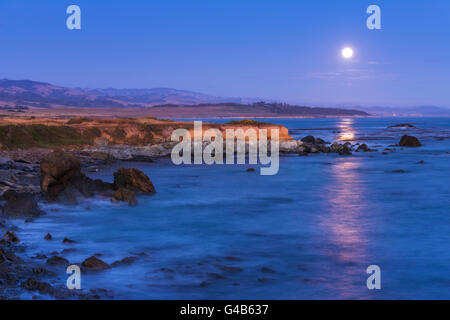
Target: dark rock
409,141
251,170
20,206
39,271
309,139
323,148
34,285
363,147
48,237
402,125
320,141
133,179
10,237
68,241
58,168
125,195
62,180
124,262
7,255
342,149
421,162
398,171
57,261
94,263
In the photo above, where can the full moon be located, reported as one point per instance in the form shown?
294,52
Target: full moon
347,53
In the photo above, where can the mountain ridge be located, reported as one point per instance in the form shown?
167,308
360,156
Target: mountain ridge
33,94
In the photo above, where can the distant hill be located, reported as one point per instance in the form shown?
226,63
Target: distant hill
44,95
160,101
259,109
416,111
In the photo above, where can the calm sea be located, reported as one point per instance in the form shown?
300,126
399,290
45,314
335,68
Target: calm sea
309,232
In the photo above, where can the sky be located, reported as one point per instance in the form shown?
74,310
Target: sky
289,51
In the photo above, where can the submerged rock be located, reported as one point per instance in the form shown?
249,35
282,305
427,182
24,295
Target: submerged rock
94,263
409,141
68,241
57,261
34,285
20,206
48,236
124,262
10,237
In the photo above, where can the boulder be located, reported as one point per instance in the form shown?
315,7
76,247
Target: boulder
20,206
363,147
57,261
10,237
63,181
58,168
133,179
94,263
125,195
342,149
320,141
34,285
68,241
288,146
309,139
402,125
409,141
48,237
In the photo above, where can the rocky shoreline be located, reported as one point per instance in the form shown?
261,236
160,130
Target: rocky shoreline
28,177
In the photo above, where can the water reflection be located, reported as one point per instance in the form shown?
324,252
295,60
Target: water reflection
346,129
345,225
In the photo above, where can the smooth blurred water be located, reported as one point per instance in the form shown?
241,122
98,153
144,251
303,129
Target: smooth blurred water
309,232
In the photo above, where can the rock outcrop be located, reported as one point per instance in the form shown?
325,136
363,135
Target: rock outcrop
63,181
95,264
409,141
133,179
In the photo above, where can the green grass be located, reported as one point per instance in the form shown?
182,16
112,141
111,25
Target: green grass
42,136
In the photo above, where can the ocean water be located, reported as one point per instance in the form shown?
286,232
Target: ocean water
309,232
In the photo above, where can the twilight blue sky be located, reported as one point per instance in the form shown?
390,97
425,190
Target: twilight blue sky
279,49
